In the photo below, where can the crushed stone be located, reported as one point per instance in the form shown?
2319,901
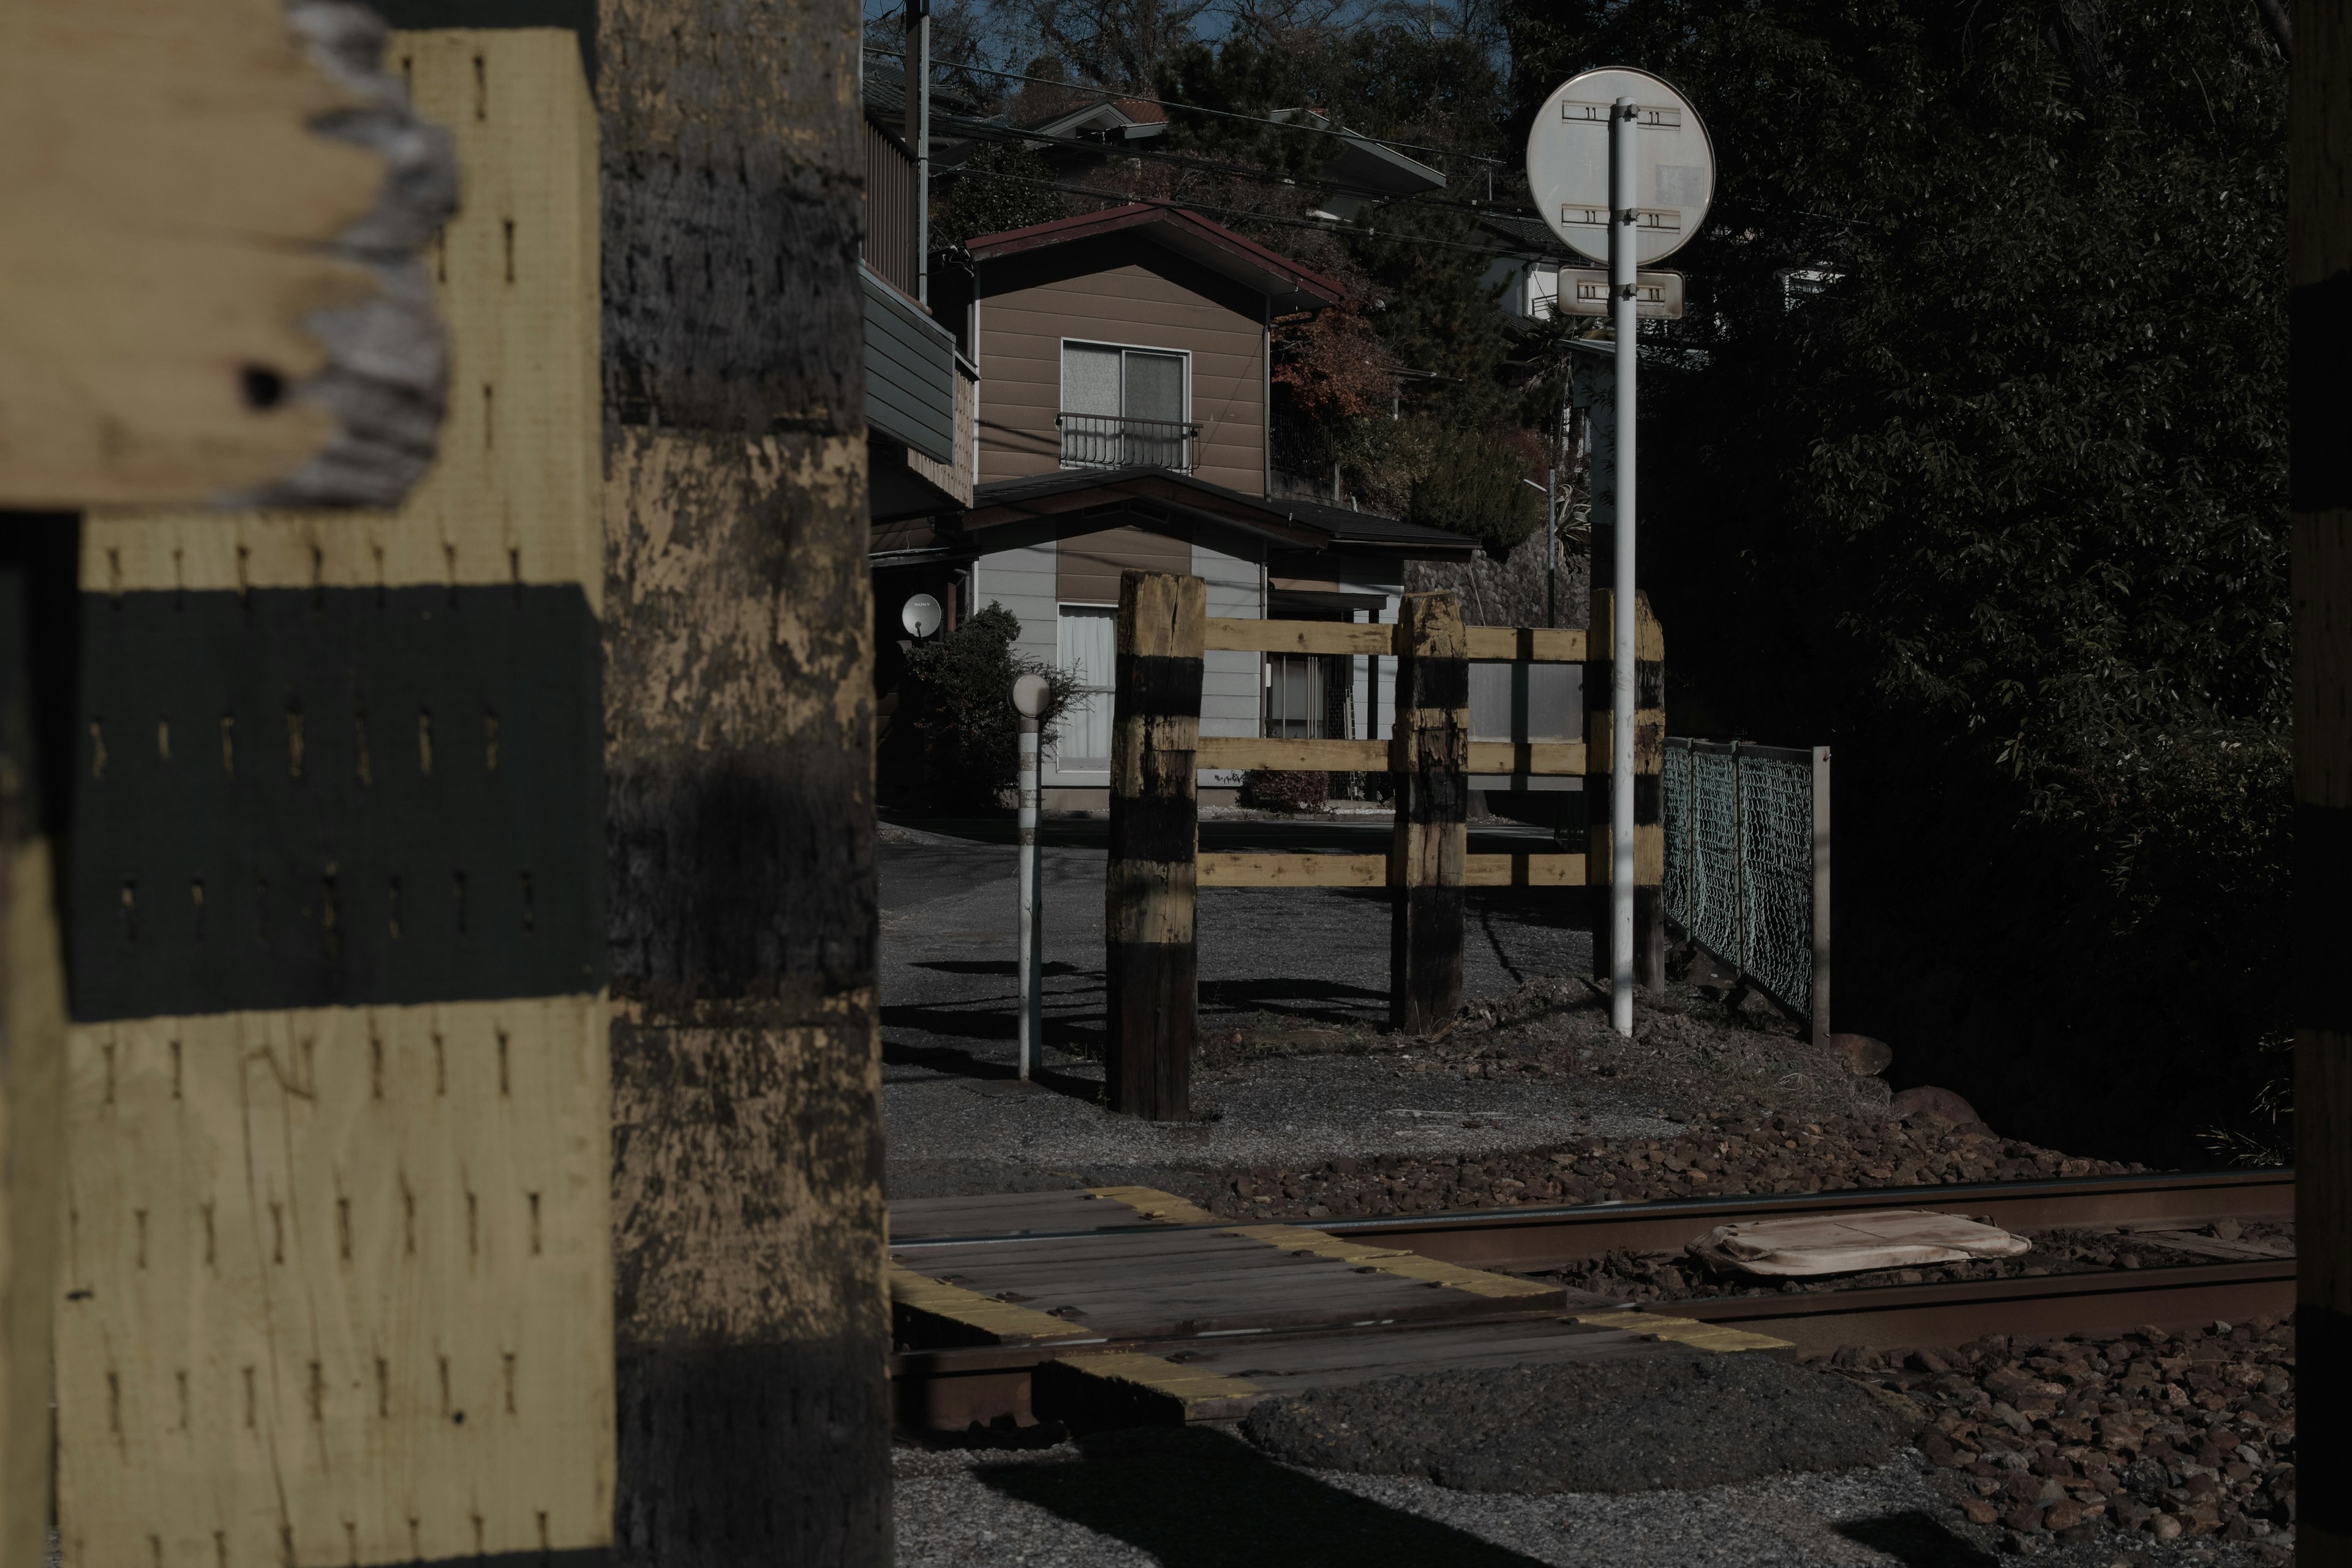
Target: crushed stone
1643,1424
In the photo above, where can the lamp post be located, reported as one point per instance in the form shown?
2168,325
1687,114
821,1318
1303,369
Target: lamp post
1030,693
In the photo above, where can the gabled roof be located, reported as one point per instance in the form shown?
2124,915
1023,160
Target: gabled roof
1081,499
1283,282
1124,118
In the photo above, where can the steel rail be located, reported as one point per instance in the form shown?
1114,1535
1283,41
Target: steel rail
1532,1239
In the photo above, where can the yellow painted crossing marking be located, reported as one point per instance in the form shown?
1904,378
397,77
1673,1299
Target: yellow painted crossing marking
1203,1395
1388,1260
1153,1203
1000,1321
1680,1331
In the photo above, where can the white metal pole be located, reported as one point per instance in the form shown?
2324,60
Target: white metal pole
1623,647
1032,1001
1551,545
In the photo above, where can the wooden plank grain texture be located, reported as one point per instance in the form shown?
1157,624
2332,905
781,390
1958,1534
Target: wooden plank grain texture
183,184
512,495
1542,644
336,1285
1293,756
1243,635
1227,869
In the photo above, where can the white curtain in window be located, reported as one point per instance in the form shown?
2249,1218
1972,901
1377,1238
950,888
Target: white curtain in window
1090,380
1089,641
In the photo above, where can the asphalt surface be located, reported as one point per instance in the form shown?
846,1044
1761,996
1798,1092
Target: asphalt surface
959,1121
1679,1421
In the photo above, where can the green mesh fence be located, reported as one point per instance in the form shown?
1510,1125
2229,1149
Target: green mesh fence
1739,859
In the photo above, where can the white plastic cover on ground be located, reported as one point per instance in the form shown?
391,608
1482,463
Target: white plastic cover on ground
1848,1243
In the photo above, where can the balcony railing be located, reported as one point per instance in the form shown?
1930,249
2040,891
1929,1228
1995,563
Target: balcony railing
1114,441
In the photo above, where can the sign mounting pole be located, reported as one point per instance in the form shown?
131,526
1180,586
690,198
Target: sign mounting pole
1623,643
1633,196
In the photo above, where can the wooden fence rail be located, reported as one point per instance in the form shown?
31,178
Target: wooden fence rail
1149,895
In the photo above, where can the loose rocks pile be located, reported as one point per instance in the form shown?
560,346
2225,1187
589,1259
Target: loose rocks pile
1669,1277
2158,1434
1731,1153
1608,1427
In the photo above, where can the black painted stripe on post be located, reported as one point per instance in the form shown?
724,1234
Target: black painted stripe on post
335,797
1151,968
2323,924
2319,396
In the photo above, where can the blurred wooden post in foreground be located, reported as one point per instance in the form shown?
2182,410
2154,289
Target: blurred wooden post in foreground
1149,892
1431,759
209,293
1649,797
2319,314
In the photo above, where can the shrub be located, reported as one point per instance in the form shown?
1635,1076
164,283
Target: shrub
961,692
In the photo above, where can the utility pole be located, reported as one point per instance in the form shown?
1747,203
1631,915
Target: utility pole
918,63
2319,487
1621,675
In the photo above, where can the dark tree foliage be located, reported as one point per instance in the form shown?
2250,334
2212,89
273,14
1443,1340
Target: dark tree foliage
961,704
1000,187
2002,512
1475,484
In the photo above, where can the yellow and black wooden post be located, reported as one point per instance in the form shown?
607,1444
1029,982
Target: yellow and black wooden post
1148,959
2320,326
1430,757
1649,797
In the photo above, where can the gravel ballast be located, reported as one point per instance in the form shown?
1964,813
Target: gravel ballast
1608,1427
2156,1435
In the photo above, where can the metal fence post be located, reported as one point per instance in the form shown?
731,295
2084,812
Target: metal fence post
1820,1009
1151,966
1744,961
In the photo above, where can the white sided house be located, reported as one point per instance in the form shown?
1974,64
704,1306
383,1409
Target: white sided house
1123,394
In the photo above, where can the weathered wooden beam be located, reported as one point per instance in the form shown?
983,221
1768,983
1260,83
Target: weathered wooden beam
1151,966
1649,797
2319,486
1230,869
1233,634
751,1314
34,584
210,288
1563,644
336,912
1247,751
1433,799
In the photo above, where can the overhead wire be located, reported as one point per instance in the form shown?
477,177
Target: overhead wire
899,55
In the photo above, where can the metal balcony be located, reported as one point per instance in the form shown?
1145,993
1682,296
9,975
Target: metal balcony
1114,441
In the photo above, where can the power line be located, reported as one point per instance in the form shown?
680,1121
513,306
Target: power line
899,55
1248,215
996,130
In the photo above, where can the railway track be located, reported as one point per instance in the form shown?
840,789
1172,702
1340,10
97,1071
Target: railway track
1320,1331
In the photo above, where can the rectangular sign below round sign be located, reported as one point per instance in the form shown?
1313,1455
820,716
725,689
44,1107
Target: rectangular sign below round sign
1584,291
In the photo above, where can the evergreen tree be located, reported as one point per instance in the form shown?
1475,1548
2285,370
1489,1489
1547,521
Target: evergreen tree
2001,510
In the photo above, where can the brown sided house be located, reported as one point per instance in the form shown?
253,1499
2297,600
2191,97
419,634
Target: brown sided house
1123,397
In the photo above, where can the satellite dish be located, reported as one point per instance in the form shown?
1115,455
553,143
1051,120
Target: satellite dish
1568,164
922,616
1029,694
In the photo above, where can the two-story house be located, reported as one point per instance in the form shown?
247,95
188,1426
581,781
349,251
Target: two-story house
1123,393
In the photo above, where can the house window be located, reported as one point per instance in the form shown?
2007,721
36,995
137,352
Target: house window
1124,408
1307,697
1088,645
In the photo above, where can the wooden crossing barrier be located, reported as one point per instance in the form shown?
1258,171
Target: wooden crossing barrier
1432,757
1433,812
1154,829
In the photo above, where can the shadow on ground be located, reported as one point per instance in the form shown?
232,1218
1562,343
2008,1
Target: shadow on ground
1917,1541
1205,1499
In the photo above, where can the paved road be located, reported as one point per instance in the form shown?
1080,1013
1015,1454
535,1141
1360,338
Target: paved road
947,950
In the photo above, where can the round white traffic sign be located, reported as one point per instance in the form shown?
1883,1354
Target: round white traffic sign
1568,164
